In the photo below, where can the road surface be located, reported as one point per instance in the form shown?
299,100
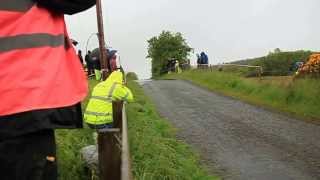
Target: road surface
237,140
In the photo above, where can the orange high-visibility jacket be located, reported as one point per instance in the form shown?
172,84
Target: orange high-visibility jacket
39,68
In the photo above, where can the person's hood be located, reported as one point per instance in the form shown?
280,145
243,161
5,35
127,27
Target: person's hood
116,76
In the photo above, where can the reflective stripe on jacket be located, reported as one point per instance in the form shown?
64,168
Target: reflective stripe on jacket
39,67
99,109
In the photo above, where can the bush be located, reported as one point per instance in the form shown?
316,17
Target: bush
278,64
132,76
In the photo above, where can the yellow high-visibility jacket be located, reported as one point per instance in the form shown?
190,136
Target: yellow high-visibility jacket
99,109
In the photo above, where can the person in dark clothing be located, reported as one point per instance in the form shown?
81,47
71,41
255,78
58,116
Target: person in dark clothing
172,63
111,58
89,63
204,58
27,141
95,56
95,63
80,56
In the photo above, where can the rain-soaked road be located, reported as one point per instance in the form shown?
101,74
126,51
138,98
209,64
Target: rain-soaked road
238,140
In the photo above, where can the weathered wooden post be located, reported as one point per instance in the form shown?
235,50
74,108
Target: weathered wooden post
109,152
102,46
260,72
113,151
109,144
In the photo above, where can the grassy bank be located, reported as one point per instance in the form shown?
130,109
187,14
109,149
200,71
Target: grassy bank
69,143
300,97
155,151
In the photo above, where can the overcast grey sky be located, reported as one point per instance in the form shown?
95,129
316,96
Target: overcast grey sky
227,30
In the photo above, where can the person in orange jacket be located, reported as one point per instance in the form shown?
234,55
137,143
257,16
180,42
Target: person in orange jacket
41,85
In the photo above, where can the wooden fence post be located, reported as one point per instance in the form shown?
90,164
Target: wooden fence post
260,73
110,140
109,144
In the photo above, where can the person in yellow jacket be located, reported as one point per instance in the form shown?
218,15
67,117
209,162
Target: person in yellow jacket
98,114
177,67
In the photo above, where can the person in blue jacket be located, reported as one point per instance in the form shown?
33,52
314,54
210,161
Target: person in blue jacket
204,58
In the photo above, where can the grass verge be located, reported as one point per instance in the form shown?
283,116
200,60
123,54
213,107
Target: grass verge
300,97
69,143
156,153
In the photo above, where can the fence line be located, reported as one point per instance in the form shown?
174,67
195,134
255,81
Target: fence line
113,148
126,173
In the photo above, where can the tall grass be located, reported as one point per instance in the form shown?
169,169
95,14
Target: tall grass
300,97
69,143
155,151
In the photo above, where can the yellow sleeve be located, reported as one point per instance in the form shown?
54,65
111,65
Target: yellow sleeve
129,96
122,93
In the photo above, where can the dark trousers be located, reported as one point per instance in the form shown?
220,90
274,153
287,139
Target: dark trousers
29,157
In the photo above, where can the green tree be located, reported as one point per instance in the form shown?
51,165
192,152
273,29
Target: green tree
277,50
166,46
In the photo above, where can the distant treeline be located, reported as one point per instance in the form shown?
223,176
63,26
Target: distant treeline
278,63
